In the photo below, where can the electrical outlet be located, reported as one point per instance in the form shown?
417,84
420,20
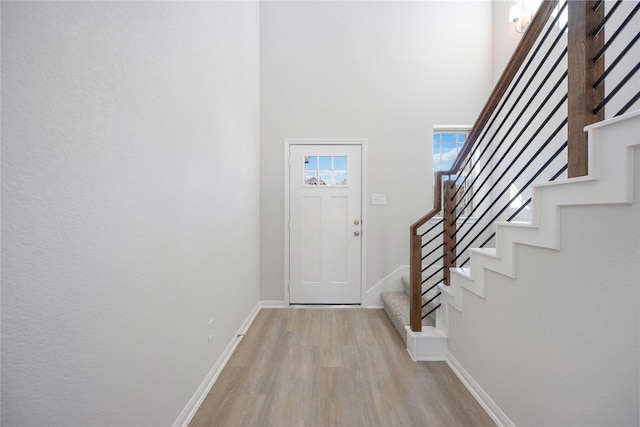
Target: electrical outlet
211,329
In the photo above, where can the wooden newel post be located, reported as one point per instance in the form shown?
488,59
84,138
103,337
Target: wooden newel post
415,279
584,45
449,215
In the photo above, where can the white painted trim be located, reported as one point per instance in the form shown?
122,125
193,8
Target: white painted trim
272,304
496,414
427,346
391,282
365,218
440,128
363,143
198,397
603,123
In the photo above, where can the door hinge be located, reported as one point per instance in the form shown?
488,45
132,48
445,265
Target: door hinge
289,224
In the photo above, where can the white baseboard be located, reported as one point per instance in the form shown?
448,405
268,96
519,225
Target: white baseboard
272,304
198,397
496,414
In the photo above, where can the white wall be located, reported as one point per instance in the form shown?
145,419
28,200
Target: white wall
559,345
130,197
384,71
505,37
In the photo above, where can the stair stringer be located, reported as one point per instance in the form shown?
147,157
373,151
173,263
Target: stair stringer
610,181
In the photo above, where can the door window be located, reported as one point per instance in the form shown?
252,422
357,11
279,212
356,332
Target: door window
328,171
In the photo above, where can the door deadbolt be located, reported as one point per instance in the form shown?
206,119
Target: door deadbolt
356,222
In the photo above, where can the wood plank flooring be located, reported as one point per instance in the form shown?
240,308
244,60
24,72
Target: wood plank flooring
333,367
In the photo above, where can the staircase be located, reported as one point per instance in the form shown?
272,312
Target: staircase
610,181
534,237
524,159
613,144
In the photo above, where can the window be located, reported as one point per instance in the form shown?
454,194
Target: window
447,143
325,170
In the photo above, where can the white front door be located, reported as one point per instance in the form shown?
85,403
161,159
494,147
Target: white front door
325,224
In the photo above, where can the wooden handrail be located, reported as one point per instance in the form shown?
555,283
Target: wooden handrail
585,93
522,50
511,70
437,203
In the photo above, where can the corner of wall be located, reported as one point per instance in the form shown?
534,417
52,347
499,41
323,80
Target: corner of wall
392,282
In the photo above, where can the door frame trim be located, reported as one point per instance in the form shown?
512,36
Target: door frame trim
363,197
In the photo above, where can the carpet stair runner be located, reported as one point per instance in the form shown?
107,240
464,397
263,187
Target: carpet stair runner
396,305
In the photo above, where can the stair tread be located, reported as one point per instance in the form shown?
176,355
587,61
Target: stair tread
396,305
486,251
431,331
462,271
425,286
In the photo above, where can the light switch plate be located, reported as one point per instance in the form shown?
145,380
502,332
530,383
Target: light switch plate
379,199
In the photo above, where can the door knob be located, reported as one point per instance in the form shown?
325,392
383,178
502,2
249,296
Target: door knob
356,222
356,233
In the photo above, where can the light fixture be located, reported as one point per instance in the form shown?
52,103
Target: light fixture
520,16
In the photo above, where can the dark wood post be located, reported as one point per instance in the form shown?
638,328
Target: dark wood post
415,279
583,72
448,205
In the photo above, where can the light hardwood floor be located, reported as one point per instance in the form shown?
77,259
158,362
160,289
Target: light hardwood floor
333,367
